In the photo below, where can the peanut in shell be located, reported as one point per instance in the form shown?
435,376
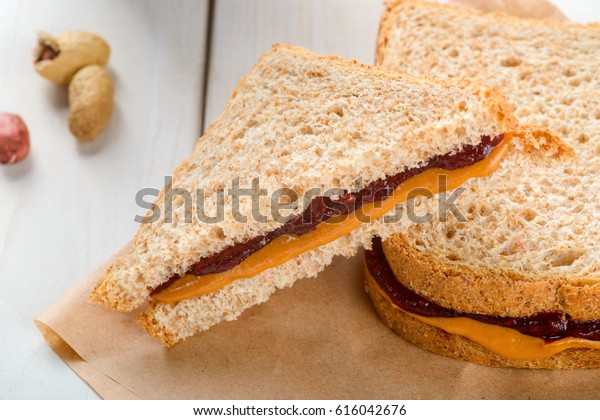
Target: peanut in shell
59,58
90,101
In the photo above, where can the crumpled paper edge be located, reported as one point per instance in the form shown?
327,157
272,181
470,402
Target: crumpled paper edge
102,384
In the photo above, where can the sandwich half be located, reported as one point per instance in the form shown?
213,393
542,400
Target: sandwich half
523,263
346,142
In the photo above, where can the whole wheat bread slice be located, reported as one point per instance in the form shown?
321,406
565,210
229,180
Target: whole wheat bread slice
531,242
299,121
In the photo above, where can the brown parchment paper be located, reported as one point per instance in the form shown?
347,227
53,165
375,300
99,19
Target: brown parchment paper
319,339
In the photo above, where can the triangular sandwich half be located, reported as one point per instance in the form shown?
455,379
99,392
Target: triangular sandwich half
345,142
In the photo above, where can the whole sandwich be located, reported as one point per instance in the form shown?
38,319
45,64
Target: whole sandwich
514,279
345,142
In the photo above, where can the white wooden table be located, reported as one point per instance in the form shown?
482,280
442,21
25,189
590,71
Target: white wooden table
69,206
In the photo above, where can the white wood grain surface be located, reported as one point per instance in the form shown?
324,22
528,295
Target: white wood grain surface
69,206
242,30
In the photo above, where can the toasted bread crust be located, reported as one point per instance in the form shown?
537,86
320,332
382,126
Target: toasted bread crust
148,321
492,291
458,347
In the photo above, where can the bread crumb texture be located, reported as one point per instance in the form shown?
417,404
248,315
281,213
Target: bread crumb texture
530,240
298,121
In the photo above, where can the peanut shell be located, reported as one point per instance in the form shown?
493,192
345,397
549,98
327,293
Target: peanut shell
59,58
91,102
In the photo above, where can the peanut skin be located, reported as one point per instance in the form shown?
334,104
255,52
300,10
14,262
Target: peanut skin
59,58
91,102
14,139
